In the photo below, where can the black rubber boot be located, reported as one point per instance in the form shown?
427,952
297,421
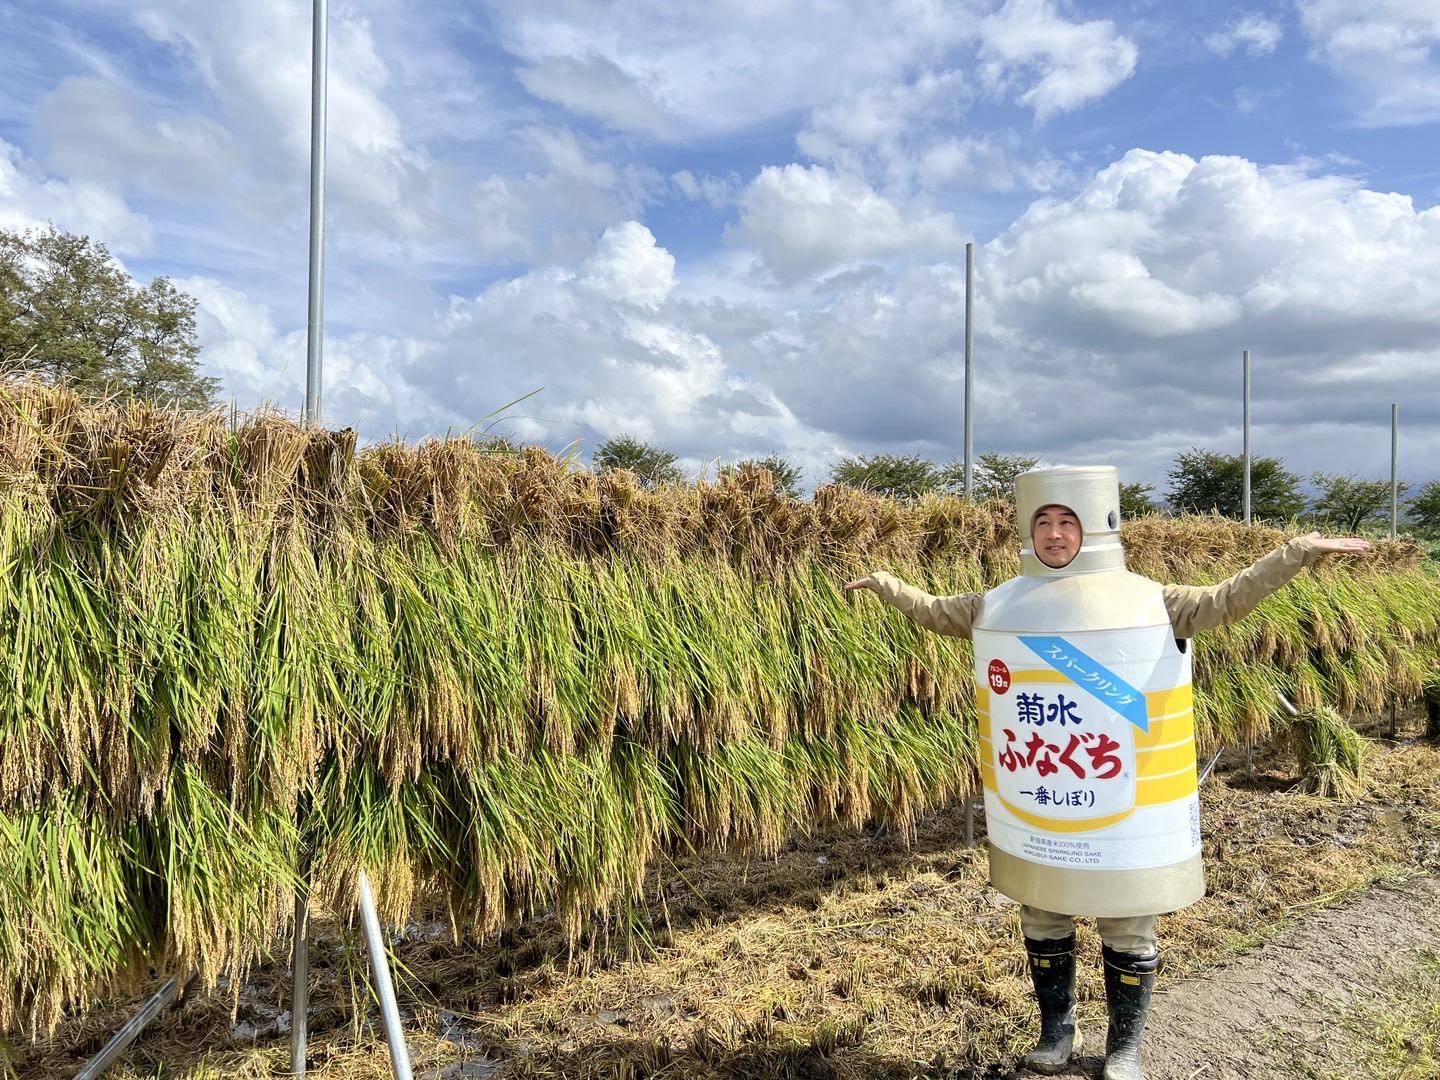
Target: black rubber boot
1052,969
1129,979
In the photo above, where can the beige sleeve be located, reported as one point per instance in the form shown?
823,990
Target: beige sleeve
951,615
1196,608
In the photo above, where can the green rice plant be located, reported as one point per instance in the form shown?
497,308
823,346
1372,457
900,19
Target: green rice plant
1331,752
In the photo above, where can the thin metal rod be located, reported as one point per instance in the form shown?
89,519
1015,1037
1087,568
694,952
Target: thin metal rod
970,823
315,317
126,1035
384,988
1208,768
969,371
1394,466
1246,426
1394,501
300,985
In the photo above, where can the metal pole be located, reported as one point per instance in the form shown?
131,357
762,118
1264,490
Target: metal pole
314,358
1394,466
1394,500
384,989
126,1035
1246,425
315,318
300,984
969,349
1245,491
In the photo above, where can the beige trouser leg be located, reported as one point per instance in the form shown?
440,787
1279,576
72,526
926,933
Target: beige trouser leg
1134,934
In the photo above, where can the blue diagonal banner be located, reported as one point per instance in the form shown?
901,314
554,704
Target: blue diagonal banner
1091,676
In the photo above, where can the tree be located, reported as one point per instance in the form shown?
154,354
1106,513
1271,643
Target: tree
992,476
1349,500
786,473
889,474
652,465
1202,481
1424,508
70,314
1135,499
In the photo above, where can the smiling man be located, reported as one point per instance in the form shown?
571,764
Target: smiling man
1056,536
1086,736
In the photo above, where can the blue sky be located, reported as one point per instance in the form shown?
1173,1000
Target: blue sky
736,229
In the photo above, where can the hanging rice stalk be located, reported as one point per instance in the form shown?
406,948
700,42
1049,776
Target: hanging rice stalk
501,685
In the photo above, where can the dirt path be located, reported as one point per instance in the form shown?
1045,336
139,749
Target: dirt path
1288,1008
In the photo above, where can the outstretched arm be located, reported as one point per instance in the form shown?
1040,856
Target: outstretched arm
1196,608
952,615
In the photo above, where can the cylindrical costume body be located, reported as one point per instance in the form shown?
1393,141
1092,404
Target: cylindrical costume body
1087,735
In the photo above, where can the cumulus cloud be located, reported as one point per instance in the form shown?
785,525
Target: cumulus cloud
1387,51
1057,66
240,346
1134,294
627,266
609,348
29,199
253,61
1254,33
804,221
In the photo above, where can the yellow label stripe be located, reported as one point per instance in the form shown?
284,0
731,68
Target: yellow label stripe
1157,790
1164,761
1164,702
1172,729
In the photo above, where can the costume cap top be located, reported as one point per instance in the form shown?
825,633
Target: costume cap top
1093,493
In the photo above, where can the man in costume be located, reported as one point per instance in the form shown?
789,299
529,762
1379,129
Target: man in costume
1087,750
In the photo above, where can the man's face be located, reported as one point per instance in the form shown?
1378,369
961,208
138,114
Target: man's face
1056,536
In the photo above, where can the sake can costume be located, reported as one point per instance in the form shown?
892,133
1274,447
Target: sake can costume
1087,738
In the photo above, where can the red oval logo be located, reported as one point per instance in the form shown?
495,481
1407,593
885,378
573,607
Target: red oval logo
999,676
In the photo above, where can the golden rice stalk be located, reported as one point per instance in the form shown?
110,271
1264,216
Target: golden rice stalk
1331,753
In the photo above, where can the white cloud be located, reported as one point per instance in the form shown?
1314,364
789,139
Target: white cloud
241,347
1137,296
597,86
627,266
864,68
29,200
1057,66
253,61
1257,35
803,221
1164,245
95,131
1388,51
717,191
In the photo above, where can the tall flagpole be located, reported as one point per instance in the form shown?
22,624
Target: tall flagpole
969,374
315,325
316,315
